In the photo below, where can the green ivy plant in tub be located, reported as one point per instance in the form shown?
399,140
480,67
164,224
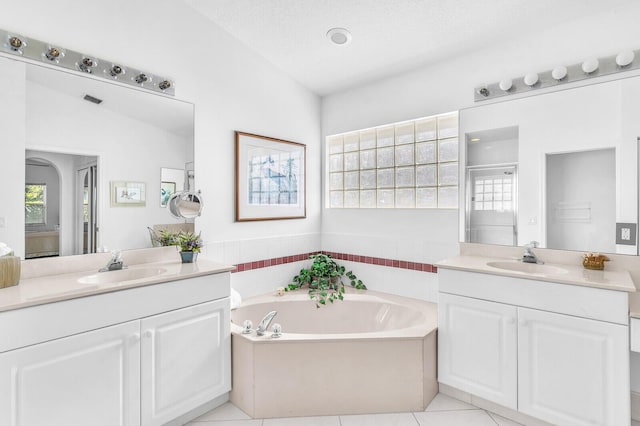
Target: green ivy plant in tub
324,280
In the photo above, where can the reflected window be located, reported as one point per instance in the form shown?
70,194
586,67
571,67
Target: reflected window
35,204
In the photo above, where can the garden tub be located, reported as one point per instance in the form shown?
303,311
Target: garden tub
371,353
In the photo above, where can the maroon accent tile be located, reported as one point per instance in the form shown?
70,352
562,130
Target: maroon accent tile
267,263
426,267
396,263
434,269
388,262
240,267
254,265
403,264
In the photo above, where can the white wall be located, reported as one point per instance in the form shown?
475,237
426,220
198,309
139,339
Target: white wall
232,87
448,86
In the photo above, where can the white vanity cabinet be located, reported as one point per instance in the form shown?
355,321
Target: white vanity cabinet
185,360
90,378
143,356
556,352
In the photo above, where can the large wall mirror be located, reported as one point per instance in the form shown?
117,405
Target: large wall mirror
72,136
559,168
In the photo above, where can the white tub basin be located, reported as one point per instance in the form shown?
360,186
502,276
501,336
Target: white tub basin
527,268
121,275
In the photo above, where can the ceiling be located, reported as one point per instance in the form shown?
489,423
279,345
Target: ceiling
389,36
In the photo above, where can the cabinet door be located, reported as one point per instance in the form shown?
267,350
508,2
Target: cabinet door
477,347
90,378
572,371
186,360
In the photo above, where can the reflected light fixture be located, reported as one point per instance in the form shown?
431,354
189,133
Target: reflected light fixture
339,36
474,140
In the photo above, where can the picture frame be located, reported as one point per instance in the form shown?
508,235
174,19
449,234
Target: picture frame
128,194
167,189
270,178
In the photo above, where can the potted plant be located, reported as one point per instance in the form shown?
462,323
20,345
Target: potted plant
324,280
189,244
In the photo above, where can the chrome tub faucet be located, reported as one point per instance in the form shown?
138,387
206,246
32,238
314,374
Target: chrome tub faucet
264,324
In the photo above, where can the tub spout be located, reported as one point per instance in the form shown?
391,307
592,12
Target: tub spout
264,324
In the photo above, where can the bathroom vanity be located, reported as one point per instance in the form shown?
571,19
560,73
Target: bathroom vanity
149,345
547,341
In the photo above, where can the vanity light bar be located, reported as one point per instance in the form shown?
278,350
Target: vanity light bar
40,51
622,62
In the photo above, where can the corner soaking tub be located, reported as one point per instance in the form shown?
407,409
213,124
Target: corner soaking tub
371,353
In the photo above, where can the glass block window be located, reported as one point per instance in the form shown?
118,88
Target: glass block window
412,164
493,193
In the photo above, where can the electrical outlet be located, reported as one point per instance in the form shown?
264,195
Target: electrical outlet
626,234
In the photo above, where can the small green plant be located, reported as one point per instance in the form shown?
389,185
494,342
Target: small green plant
189,241
324,279
167,238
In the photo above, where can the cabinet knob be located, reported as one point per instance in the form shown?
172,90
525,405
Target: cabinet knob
148,334
511,320
135,338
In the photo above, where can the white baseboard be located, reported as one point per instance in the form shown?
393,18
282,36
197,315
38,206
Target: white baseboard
635,406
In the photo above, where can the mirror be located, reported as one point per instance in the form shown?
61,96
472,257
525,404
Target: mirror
559,168
186,205
92,133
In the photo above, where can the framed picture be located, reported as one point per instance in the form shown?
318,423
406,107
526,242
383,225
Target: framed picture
270,178
167,189
128,194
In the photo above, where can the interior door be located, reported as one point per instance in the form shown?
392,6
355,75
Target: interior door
492,205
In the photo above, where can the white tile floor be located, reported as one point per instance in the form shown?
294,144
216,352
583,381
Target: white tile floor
443,411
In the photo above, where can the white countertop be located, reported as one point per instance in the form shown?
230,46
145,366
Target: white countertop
55,288
617,280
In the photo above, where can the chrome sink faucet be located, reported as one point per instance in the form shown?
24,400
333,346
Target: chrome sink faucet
264,324
529,256
115,263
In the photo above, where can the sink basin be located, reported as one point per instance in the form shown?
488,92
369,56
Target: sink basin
527,268
121,275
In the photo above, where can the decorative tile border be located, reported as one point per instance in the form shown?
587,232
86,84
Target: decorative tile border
391,263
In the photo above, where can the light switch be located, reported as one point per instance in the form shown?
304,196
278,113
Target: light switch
3,222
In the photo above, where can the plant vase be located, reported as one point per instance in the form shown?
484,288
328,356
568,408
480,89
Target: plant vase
188,256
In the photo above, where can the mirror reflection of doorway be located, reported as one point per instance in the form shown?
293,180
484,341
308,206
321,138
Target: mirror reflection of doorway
41,208
492,204
581,200
60,204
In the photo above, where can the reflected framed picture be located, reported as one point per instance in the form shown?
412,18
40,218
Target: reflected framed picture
270,178
128,194
167,189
